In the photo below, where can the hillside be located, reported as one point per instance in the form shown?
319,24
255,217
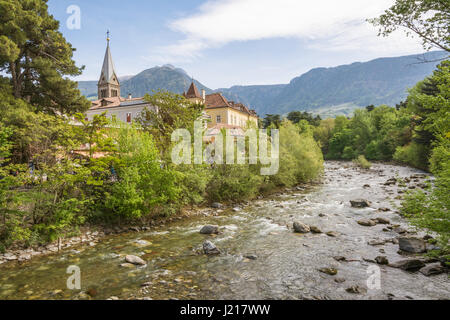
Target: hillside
339,90
166,77
325,91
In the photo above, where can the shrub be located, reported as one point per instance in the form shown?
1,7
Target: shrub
413,154
362,162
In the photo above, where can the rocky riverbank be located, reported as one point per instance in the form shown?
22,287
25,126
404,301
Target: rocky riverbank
347,231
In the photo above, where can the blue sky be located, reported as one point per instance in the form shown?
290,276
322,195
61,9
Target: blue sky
229,42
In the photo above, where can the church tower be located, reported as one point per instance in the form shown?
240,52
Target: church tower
108,84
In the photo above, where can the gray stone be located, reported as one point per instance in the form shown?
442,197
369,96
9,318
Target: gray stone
340,258
209,248
355,289
408,264
360,203
135,260
315,229
332,234
366,222
382,220
329,271
216,205
432,269
300,227
382,260
209,229
411,244
400,230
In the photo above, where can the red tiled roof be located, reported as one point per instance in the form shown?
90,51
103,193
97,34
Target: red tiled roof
193,92
110,102
217,100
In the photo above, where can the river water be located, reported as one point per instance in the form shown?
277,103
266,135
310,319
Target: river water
286,264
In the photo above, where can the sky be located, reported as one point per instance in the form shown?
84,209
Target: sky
227,42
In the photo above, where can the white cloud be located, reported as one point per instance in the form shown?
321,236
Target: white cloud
324,24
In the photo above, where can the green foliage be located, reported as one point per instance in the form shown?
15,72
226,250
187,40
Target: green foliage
362,162
300,157
233,182
37,58
413,154
297,116
272,120
431,211
428,19
174,112
144,185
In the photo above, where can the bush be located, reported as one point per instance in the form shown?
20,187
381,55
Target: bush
144,185
300,157
413,154
362,162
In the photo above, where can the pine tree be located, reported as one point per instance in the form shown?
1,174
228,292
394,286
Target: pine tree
37,58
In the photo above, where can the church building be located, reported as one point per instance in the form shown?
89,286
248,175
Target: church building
219,112
109,98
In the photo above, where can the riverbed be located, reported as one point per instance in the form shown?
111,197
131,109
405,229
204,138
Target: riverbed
261,257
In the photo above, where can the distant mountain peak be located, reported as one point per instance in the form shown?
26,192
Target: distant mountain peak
339,89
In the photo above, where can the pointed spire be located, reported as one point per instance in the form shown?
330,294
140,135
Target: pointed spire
193,91
108,74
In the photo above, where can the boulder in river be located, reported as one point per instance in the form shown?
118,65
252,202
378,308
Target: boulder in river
216,205
315,229
340,258
329,271
134,260
382,220
381,260
332,234
209,229
412,244
360,203
300,227
366,222
408,264
355,289
432,269
209,248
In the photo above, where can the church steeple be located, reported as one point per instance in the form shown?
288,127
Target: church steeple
108,84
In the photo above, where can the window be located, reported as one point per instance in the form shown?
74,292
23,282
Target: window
128,117
113,93
218,119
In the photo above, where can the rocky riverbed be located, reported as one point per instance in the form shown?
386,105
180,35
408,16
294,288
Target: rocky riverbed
306,243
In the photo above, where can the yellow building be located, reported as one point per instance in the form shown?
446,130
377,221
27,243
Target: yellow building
223,113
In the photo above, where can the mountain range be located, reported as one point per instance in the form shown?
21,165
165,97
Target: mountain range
324,91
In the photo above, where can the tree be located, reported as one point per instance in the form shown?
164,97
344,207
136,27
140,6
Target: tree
297,116
37,58
270,119
173,111
428,19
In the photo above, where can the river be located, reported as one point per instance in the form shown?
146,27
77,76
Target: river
284,264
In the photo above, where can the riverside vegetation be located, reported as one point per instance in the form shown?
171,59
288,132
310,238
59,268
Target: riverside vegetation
47,191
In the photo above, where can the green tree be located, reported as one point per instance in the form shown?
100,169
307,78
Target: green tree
272,120
172,112
37,58
427,19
